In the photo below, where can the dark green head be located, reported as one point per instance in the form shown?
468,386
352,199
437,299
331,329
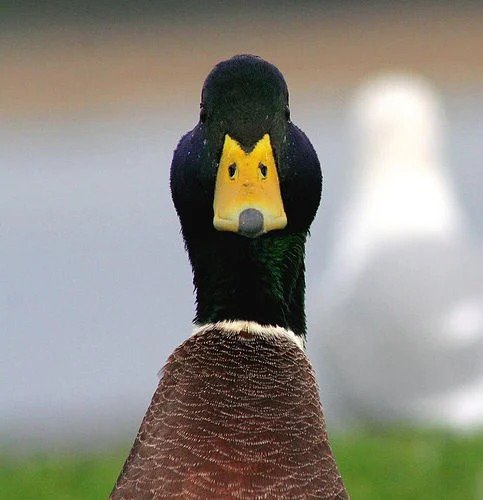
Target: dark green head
246,184
244,97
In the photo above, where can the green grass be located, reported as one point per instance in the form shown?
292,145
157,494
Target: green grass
394,464
63,476
411,465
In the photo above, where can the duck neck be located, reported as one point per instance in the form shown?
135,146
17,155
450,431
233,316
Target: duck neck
260,279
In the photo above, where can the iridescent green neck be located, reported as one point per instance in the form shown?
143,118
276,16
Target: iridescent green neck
260,279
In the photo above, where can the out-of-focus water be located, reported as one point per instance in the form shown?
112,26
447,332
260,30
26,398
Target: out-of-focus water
95,287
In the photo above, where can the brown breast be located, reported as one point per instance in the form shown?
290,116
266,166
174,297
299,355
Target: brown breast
234,416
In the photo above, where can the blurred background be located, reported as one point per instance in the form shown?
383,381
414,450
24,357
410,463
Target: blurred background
95,287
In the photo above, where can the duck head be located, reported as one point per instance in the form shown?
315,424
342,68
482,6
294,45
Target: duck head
246,184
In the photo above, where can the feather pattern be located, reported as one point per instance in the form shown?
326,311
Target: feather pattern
235,415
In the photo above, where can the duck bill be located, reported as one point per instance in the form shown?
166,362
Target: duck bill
247,198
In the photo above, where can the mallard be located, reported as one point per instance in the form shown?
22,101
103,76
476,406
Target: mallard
400,316
237,412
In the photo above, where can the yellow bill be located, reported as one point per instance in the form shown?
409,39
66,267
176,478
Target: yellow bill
247,191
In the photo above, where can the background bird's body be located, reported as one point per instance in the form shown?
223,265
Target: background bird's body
236,415
401,316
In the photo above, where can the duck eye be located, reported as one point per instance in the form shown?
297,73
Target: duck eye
263,170
202,113
287,113
232,171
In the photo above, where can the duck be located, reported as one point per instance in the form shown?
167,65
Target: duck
400,317
237,412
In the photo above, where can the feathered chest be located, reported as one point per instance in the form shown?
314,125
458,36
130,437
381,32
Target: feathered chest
234,416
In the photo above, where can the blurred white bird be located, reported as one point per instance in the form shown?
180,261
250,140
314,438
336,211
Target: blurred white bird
400,312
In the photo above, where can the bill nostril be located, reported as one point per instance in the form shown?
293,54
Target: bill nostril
232,171
250,223
263,170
